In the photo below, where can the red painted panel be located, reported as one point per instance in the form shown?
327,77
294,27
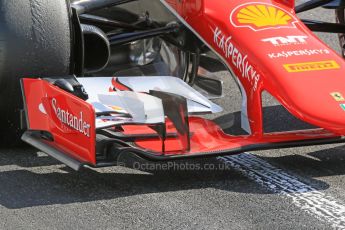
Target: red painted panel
69,119
269,48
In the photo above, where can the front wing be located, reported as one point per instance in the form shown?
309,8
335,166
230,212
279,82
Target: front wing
152,123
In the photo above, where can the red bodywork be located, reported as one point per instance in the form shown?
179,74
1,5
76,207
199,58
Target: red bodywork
206,137
304,93
42,102
265,46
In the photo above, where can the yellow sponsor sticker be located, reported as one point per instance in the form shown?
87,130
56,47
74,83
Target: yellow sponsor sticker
337,96
311,66
261,16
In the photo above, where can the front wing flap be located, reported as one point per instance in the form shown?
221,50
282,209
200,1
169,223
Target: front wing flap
67,127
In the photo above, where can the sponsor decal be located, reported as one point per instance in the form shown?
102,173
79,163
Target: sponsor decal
236,58
116,108
311,66
262,16
293,53
288,40
342,106
71,120
337,96
118,86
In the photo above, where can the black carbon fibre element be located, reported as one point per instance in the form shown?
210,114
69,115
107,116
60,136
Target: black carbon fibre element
83,6
120,39
335,4
96,49
105,22
132,137
35,139
69,84
77,57
311,4
65,85
326,27
175,108
151,156
212,86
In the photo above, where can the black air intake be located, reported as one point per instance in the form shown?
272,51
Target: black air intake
96,49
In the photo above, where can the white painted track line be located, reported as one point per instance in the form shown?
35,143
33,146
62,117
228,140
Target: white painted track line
305,197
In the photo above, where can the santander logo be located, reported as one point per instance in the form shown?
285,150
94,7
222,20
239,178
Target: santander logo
73,121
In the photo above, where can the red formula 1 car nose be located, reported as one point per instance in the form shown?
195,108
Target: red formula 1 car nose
318,99
158,104
311,85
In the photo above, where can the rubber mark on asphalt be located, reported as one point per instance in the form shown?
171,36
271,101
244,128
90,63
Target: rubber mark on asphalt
304,196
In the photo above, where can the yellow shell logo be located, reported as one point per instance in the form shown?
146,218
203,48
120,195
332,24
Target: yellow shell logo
261,16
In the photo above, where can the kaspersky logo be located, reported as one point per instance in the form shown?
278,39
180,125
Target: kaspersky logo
262,16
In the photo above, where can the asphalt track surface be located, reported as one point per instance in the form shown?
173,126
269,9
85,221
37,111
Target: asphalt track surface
298,188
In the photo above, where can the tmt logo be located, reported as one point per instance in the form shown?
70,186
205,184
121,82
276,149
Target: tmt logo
288,40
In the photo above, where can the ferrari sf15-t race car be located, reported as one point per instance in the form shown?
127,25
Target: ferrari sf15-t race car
104,78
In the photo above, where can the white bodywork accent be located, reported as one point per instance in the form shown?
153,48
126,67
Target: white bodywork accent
127,107
244,111
197,103
138,107
42,109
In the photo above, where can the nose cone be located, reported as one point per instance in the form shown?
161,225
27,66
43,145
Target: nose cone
317,98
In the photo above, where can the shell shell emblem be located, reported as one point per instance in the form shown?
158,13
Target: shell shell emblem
261,16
